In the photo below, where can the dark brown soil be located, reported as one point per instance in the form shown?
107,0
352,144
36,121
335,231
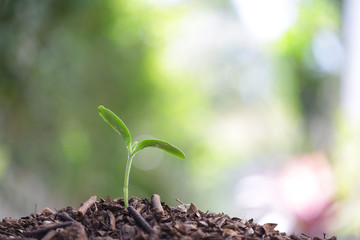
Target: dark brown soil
107,220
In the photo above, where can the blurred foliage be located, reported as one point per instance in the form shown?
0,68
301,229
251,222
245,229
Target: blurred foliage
306,85
59,61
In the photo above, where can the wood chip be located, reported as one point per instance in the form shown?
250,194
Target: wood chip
83,209
158,209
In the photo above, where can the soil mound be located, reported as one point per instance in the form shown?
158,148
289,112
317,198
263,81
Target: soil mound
144,219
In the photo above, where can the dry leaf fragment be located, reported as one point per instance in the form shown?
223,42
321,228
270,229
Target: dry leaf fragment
193,208
201,212
185,228
221,223
230,232
111,219
241,225
45,210
269,227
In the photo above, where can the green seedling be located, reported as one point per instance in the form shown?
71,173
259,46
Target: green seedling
119,126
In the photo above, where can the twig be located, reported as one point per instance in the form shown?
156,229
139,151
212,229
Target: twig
49,235
45,229
140,220
66,216
159,211
6,233
83,209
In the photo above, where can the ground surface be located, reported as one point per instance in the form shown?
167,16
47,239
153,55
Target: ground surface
147,219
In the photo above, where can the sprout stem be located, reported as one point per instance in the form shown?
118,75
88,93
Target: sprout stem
126,179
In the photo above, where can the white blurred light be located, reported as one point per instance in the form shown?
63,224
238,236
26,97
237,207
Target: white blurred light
351,84
327,51
149,158
253,191
255,83
267,20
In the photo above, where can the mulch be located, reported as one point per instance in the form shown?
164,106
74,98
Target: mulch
144,219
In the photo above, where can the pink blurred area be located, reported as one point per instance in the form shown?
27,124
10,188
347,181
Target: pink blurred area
299,195
307,187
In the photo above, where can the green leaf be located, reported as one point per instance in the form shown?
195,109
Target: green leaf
167,147
116,123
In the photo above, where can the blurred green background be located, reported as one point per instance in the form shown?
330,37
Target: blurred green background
262,96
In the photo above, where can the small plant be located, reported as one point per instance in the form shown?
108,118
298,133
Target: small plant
118,125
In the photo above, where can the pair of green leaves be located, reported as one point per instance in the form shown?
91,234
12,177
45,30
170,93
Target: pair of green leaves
118,125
